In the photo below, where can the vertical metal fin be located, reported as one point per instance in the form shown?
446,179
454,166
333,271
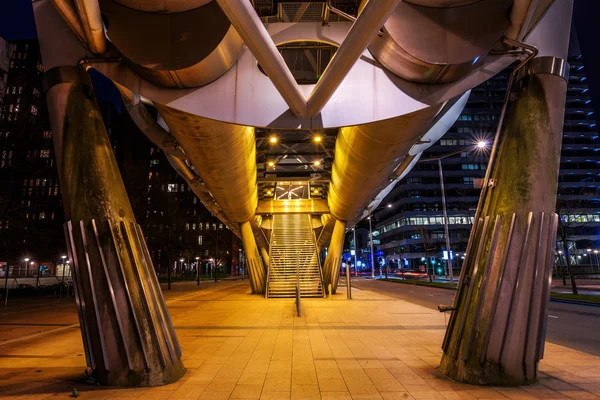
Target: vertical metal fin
533,286
488,333
461,284
112,297
146,302
515,288
483,286
547,286
94,297
153,294
159,294
463,316
141,337
81,309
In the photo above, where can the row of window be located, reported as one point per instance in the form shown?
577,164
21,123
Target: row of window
477,117
580,218
200,225
453,220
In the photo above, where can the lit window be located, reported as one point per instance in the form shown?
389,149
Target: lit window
200,240
171,187
45,154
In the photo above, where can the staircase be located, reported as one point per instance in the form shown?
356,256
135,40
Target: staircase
293,258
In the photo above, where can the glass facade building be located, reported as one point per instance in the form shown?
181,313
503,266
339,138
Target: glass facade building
409,228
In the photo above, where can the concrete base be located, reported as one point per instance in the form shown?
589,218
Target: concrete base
496,335
127,332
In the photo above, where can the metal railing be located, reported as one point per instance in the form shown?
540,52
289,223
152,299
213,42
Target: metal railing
318,261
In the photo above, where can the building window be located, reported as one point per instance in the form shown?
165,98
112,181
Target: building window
171,187
45,154
200,240
47,135
42,215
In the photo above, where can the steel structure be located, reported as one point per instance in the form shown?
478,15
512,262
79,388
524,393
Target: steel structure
216,85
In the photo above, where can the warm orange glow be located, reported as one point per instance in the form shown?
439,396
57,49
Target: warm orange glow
318,138
273,139
271,163
317,163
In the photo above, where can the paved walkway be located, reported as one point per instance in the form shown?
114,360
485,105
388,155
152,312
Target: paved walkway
238,346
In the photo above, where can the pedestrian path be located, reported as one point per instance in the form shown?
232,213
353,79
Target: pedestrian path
241,346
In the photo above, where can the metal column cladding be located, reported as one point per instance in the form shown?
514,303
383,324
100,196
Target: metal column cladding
224,156
366,155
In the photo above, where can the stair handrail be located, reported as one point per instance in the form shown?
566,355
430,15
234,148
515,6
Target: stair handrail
298,299
318,257
269,262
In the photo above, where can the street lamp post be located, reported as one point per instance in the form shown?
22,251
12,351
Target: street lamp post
37,280
372,254
446,230
198,271
480,145
63,267
355,251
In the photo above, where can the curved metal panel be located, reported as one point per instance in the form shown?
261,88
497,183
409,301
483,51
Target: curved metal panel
366,155
257,102
438,45
441,3
224,155
185,49
163,6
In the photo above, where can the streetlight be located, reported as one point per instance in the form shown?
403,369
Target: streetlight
481,144
198,270
63,267
371,243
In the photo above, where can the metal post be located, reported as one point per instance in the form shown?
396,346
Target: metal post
216,253
355,251
37,280
6,285
446,231
169,276
348,286
372,254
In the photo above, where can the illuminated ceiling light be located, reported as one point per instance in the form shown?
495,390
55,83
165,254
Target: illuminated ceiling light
269,192
271,163
317,163
273,139
482,144
389,206
317,138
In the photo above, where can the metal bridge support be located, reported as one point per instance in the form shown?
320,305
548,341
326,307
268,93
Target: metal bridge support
256,269
127,332
331,269
497,331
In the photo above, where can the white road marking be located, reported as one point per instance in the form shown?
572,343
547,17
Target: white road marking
411,291
430,295
552,316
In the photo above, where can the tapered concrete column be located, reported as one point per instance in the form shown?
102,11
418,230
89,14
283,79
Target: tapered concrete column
496,336
256,269
331,269
127,332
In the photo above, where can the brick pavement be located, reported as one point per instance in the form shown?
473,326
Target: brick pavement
241,346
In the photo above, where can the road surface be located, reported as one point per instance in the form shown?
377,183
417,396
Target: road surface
569,325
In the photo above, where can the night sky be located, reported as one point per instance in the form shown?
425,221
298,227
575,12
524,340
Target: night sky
16,22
